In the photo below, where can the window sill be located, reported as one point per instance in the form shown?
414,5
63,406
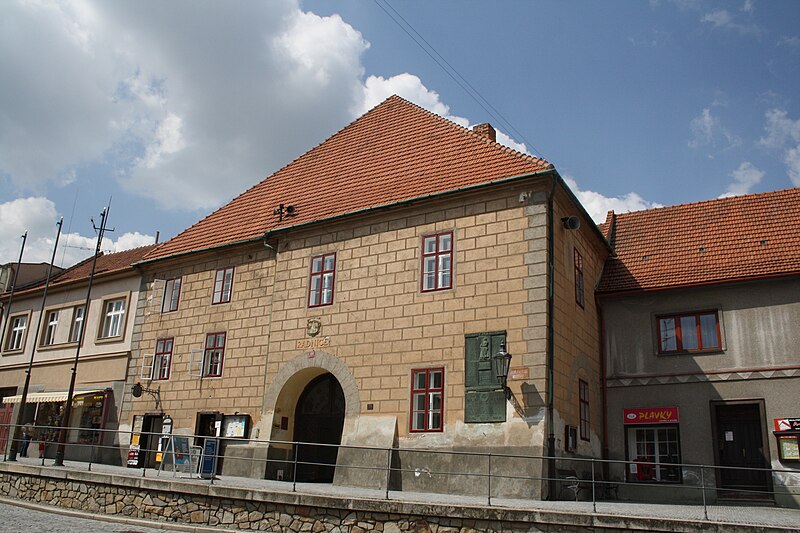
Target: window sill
109,340
53,347
13,352
714,351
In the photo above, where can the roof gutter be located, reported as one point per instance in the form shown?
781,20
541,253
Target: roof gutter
699,284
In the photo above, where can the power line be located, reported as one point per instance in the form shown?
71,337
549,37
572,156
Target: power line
451,71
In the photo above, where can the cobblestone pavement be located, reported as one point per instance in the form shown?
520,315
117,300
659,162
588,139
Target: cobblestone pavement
17,519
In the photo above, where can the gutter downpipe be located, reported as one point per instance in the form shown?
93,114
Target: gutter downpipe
603,371
551,437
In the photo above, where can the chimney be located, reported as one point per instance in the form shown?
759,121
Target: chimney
485,130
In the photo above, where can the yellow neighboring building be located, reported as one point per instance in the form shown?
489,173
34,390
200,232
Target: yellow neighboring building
358,297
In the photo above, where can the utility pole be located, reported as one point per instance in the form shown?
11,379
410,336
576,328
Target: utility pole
13,288
62,434
12,453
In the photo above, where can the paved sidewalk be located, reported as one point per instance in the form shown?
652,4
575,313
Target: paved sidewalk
746,515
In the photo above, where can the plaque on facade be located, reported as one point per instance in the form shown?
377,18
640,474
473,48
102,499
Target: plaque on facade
313,327
485,406
307,344
520,373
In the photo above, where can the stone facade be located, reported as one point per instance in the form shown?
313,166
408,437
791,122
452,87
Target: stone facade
380,327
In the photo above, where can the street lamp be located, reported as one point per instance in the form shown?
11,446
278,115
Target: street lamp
501,361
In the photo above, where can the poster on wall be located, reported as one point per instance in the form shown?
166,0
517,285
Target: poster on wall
789,448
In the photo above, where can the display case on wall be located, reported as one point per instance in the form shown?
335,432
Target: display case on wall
787,433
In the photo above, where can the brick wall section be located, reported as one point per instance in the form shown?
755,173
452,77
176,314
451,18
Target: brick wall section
245,320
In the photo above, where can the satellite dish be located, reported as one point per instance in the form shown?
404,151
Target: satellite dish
571,222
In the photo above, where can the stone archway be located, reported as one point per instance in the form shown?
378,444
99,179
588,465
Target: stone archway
319,419
282,397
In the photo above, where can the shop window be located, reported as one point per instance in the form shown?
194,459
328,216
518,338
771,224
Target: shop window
172,294
113,318
162,359
16,334
583,396
213,355
579,296
653,452
427,392
76,328
691,332
223,286
437,261
321,280
49,337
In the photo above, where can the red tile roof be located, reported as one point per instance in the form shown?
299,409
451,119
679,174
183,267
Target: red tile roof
395,152
106,264
742,237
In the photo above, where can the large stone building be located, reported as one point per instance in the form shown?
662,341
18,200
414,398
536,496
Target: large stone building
701,307
103,357
357,297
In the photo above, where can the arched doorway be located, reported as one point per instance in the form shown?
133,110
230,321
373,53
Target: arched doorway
319,418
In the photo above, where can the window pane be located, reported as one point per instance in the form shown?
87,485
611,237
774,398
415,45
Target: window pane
436,421
419,421
210,341
689,333
316,265
669,342
436,379
436,401
419,380
313,297
329,261
430,245
220,340
419,402
444,242
708,331
444,271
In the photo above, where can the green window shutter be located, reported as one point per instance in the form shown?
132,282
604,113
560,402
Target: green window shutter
485,400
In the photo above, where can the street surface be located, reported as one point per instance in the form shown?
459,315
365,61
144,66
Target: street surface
15,519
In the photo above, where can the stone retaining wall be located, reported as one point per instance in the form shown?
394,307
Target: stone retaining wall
231,508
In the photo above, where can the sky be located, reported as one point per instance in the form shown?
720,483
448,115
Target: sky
165,111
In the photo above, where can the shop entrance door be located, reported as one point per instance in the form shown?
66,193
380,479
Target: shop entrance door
319,418
740,447
6,410
151,435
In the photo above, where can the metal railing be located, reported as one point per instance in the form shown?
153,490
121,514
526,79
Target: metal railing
497,476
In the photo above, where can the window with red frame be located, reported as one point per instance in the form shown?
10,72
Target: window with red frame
321,279
213,355
223,286
583,395
427,395
437,261
689,332
163,359
172,294
579,299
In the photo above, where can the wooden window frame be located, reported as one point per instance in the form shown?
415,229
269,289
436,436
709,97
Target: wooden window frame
11,333
209,351
161,355
219,296
679,349
437,253
427,390
580,296
106,313
77,324
172,300
583,406
320,274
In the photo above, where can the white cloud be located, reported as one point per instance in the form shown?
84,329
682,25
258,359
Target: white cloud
598,205
748,6
722,18
783,133
790,41
707,131
744,179
38,216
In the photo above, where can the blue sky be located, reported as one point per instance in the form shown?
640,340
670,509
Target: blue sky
171,109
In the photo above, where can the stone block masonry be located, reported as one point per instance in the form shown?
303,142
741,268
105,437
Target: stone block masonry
190,503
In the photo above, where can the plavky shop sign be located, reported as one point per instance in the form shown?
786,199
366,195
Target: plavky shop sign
651,415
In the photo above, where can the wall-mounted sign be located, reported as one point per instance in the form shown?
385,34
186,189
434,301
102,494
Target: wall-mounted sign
520,373
320,342
651,415
787,424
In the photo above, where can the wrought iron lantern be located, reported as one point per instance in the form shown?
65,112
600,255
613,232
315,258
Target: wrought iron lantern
501,362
